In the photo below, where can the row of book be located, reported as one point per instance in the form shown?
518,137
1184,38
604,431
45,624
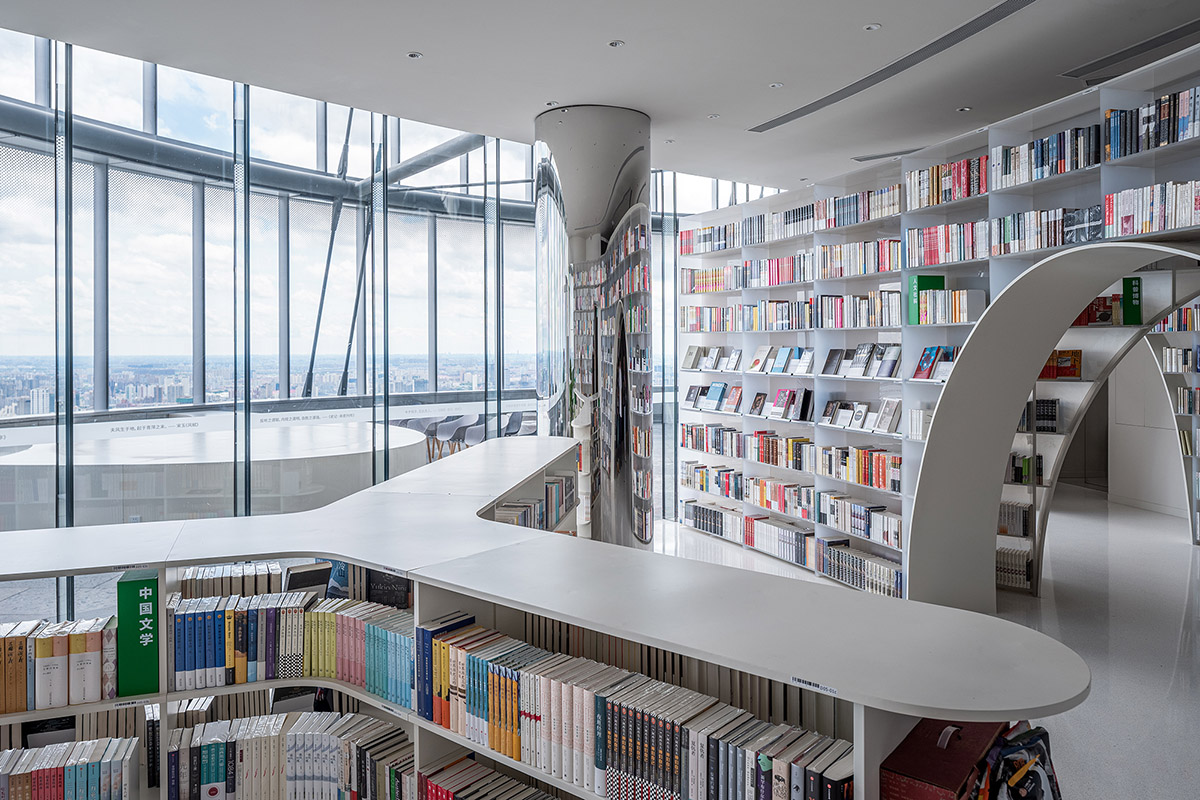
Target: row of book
792,452
875,309
717,480
55,664
1063,365
919,420
1124,308
259,577
841,561
1014,569
1148,209
1041,414
781,496
619,734
1039,229
945,183
764,315
1065,151
858,258
221,641
859,415
1016,519
946,244
1023,469
785,542
1187,400
1178,359
710,239
545,512
949,306
712,519
1165,120
721,440
1181,319
97,769
1185,442
750,274
851,209
864,466
629,240
865,519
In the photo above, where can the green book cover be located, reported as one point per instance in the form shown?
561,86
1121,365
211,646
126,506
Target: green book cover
1131,301
916,285
137,632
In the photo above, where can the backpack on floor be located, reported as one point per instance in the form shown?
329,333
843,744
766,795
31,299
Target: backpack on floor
1018,767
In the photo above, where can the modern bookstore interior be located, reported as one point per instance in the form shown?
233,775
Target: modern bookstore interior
861,364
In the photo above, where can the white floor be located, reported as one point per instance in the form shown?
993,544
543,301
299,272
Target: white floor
1121,588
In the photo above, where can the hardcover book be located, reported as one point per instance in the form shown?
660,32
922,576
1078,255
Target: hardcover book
889,415
692,392
716,395
925,365
710,358
916,285
832,362
844,415
735,359
782,358
783,403
847,362
760,359
689,357
733,400
861,359
803,364
830,409
756,405
860,415
890,362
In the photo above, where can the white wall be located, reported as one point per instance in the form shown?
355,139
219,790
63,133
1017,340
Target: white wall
1144,462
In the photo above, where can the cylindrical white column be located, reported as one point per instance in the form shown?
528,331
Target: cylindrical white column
593,194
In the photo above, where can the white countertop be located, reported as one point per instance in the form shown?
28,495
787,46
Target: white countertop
900,656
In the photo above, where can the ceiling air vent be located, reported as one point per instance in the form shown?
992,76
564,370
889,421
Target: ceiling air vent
963,32
881,156
1088,71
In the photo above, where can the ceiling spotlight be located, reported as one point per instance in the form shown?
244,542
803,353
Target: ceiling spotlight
415,55
616,43
552,103
668,141
776,85
804,179
714,116
963,109
872,26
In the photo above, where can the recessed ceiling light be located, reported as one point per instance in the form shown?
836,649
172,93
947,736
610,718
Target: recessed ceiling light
668,141
616,43
776,85
872,26
804,179
414,55
963,109
714,116
552,103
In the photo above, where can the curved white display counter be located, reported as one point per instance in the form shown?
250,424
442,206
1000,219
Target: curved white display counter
895,661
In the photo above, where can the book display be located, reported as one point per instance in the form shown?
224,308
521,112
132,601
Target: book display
1117,161
493,682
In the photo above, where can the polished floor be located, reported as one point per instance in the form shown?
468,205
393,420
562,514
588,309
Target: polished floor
1122,588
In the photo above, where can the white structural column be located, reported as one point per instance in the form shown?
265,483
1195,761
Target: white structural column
952,529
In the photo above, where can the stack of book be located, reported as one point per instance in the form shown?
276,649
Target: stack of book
1016,519
1058,153
945,183
1148,209
870,573
259,577
785,542
221,641
105,768
713,519
946,244
624,735
55,664
1165,120
858,258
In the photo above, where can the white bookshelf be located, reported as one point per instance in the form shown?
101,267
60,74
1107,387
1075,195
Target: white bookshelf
1073,189
430,525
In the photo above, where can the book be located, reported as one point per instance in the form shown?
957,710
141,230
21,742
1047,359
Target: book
735,359
690,357
756,405
783,403
872,370
308,578
924,368
941,370
861,360
782,358
803,363
733,399
844,414
832,362
715,396
692,393
846,363
831,407
759,362
802,408
889,415
860,415
702,397
1068,365
137,632
1131,301
890,362
710,358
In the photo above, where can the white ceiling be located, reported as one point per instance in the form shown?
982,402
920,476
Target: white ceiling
490,66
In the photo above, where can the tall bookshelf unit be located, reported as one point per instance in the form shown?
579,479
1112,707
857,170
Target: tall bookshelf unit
603,601
991,270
